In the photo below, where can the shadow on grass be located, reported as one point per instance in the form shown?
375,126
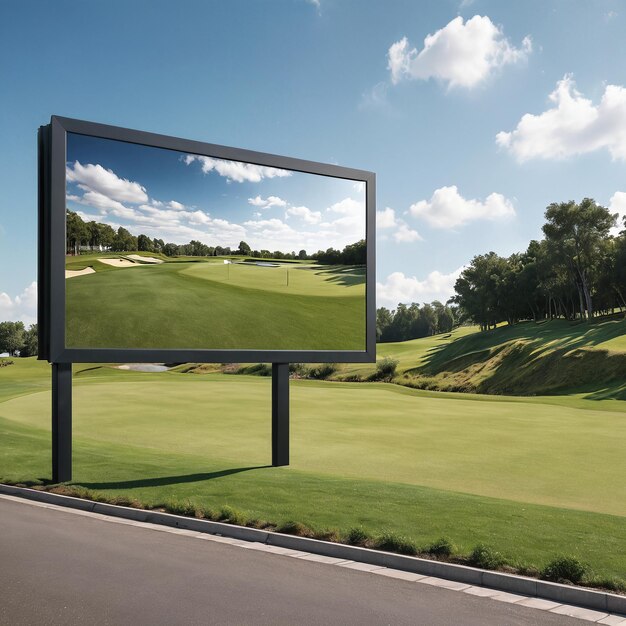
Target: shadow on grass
344,275
542,338
169,480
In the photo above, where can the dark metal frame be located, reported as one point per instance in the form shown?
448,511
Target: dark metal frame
52,209
51,284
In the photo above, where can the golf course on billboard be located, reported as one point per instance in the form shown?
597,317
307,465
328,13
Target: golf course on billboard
172,250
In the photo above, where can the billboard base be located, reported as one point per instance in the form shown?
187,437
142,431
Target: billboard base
280,414
62,419
61,422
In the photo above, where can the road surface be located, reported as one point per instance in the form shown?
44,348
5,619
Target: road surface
61,567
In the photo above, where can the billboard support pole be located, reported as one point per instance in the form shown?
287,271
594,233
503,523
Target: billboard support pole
280,414
61,422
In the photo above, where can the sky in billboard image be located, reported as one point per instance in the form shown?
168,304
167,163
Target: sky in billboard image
253,284
181,197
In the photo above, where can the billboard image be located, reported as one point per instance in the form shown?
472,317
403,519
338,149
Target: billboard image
168,249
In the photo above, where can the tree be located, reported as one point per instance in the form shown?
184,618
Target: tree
302,254
574,233
352,254
444,317
29,346
425,322
76,232
170,249
124,241
144,243
355,253
481,289
94,233
384,318
244,248
11,337
106,235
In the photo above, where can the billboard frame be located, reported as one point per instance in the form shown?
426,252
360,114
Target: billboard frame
52,250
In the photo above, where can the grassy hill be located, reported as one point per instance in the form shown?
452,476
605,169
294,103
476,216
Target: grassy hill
554,357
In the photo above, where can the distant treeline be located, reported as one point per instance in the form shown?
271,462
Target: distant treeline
16,339
413,321
576,271
98,236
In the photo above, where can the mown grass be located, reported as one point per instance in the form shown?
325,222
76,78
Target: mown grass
174,306
529,479
320,505
566,454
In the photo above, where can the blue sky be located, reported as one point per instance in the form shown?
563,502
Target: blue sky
179,197
475,115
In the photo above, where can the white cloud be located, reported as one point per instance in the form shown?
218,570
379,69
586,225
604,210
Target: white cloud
21,308
99,201
404,234
96,178
347,206
447,208
267,203
459,54
199,217
273,225
574,125
386,218
304,213
258,201
177,206
618,205
352,220
400,288
236,171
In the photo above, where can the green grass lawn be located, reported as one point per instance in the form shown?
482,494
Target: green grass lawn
215,306
533,477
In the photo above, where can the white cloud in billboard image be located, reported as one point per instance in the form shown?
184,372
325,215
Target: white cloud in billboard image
214,211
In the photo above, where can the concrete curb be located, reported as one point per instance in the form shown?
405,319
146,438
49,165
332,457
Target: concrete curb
532,587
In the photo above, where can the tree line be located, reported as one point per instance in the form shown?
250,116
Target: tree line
577,271
96,235
413,321
16,339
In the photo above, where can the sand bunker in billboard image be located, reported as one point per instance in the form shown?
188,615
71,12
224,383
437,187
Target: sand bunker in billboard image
199,304
83,272
144,259
118,262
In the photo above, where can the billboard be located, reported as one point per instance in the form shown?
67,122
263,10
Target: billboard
155,248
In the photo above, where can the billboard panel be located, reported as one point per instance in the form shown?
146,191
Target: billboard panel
168,249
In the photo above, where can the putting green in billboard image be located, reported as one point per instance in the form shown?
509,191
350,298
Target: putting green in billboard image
169,250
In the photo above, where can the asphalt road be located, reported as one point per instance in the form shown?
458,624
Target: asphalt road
59,567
